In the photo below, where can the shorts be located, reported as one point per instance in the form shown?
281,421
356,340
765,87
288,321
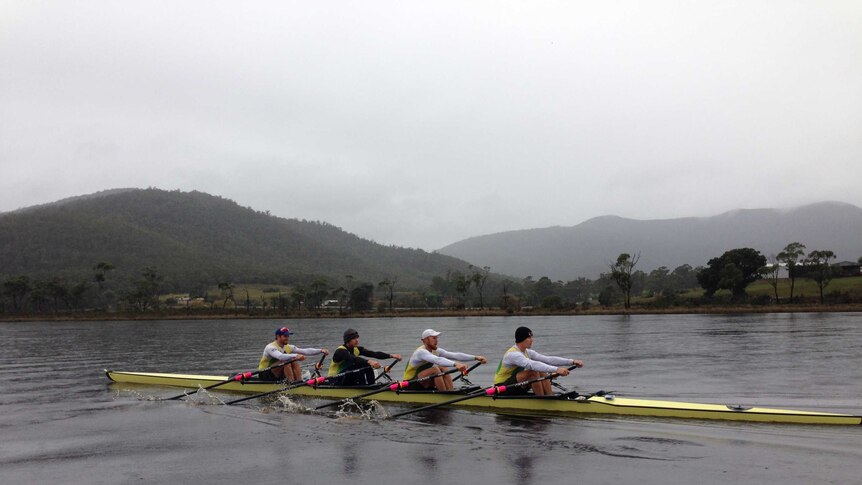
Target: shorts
268,376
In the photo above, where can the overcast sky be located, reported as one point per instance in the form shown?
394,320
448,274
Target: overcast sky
423,123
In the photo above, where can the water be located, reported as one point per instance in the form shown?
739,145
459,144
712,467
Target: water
60,421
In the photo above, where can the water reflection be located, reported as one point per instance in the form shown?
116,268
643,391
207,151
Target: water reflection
527,430
523,424
437,417
350,462
429,465
524,469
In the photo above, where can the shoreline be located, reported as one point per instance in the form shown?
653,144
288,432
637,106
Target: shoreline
181,315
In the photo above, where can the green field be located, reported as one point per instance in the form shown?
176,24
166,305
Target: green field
805,289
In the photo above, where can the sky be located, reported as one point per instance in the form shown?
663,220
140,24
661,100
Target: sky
420,124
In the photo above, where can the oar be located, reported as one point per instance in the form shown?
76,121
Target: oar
318,364
386,370
239,378
395,386
489,391
311,382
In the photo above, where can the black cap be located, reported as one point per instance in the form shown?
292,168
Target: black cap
522,333
350,334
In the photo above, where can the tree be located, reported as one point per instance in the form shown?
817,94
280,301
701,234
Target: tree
507,302
684,277
76,294
226,290
734,270
388,285
577,291
818,269
361,296
299,296
318,290
340,294
461,285
608,296
790,257
659,281
55,289
770,273
145,291
621,273
101,270
479,277
17,288
543,289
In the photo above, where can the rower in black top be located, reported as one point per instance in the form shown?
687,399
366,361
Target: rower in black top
347,357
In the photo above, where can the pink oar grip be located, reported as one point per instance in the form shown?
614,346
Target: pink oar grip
398,385
495,390
316,380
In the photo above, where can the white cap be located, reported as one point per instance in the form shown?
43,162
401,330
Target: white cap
430,333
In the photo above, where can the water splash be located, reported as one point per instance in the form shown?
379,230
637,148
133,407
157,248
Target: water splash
124,393
202,397
371,410
291,406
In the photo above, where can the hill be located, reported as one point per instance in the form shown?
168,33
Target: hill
197,240
586,249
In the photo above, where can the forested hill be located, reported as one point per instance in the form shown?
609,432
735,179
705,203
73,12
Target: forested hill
196,240
587,249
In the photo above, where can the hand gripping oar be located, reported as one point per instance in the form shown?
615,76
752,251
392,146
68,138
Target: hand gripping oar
238,378
310,382
395,386
318,364
488,391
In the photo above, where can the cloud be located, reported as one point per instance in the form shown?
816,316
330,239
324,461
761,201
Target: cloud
420,124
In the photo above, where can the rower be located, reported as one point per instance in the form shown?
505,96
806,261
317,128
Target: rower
429,359
347,357
282,351
521,363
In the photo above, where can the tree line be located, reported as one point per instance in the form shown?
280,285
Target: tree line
476,288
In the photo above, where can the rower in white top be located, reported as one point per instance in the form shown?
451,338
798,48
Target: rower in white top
429,359
521,363
280,359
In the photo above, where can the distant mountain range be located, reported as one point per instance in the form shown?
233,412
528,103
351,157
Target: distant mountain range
565,253
197,240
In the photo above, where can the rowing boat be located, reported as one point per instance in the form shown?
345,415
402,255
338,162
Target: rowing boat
554,405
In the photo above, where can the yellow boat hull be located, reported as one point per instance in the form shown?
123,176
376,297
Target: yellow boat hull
548,405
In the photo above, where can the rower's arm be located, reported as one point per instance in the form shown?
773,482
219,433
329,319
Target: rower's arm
373,354
550,359
460,357
426,356
517,359
308,351
279,355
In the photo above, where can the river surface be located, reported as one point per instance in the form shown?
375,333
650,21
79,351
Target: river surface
61,422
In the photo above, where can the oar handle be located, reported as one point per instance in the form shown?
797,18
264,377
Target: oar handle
319,364
469,370
390,366
387,369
